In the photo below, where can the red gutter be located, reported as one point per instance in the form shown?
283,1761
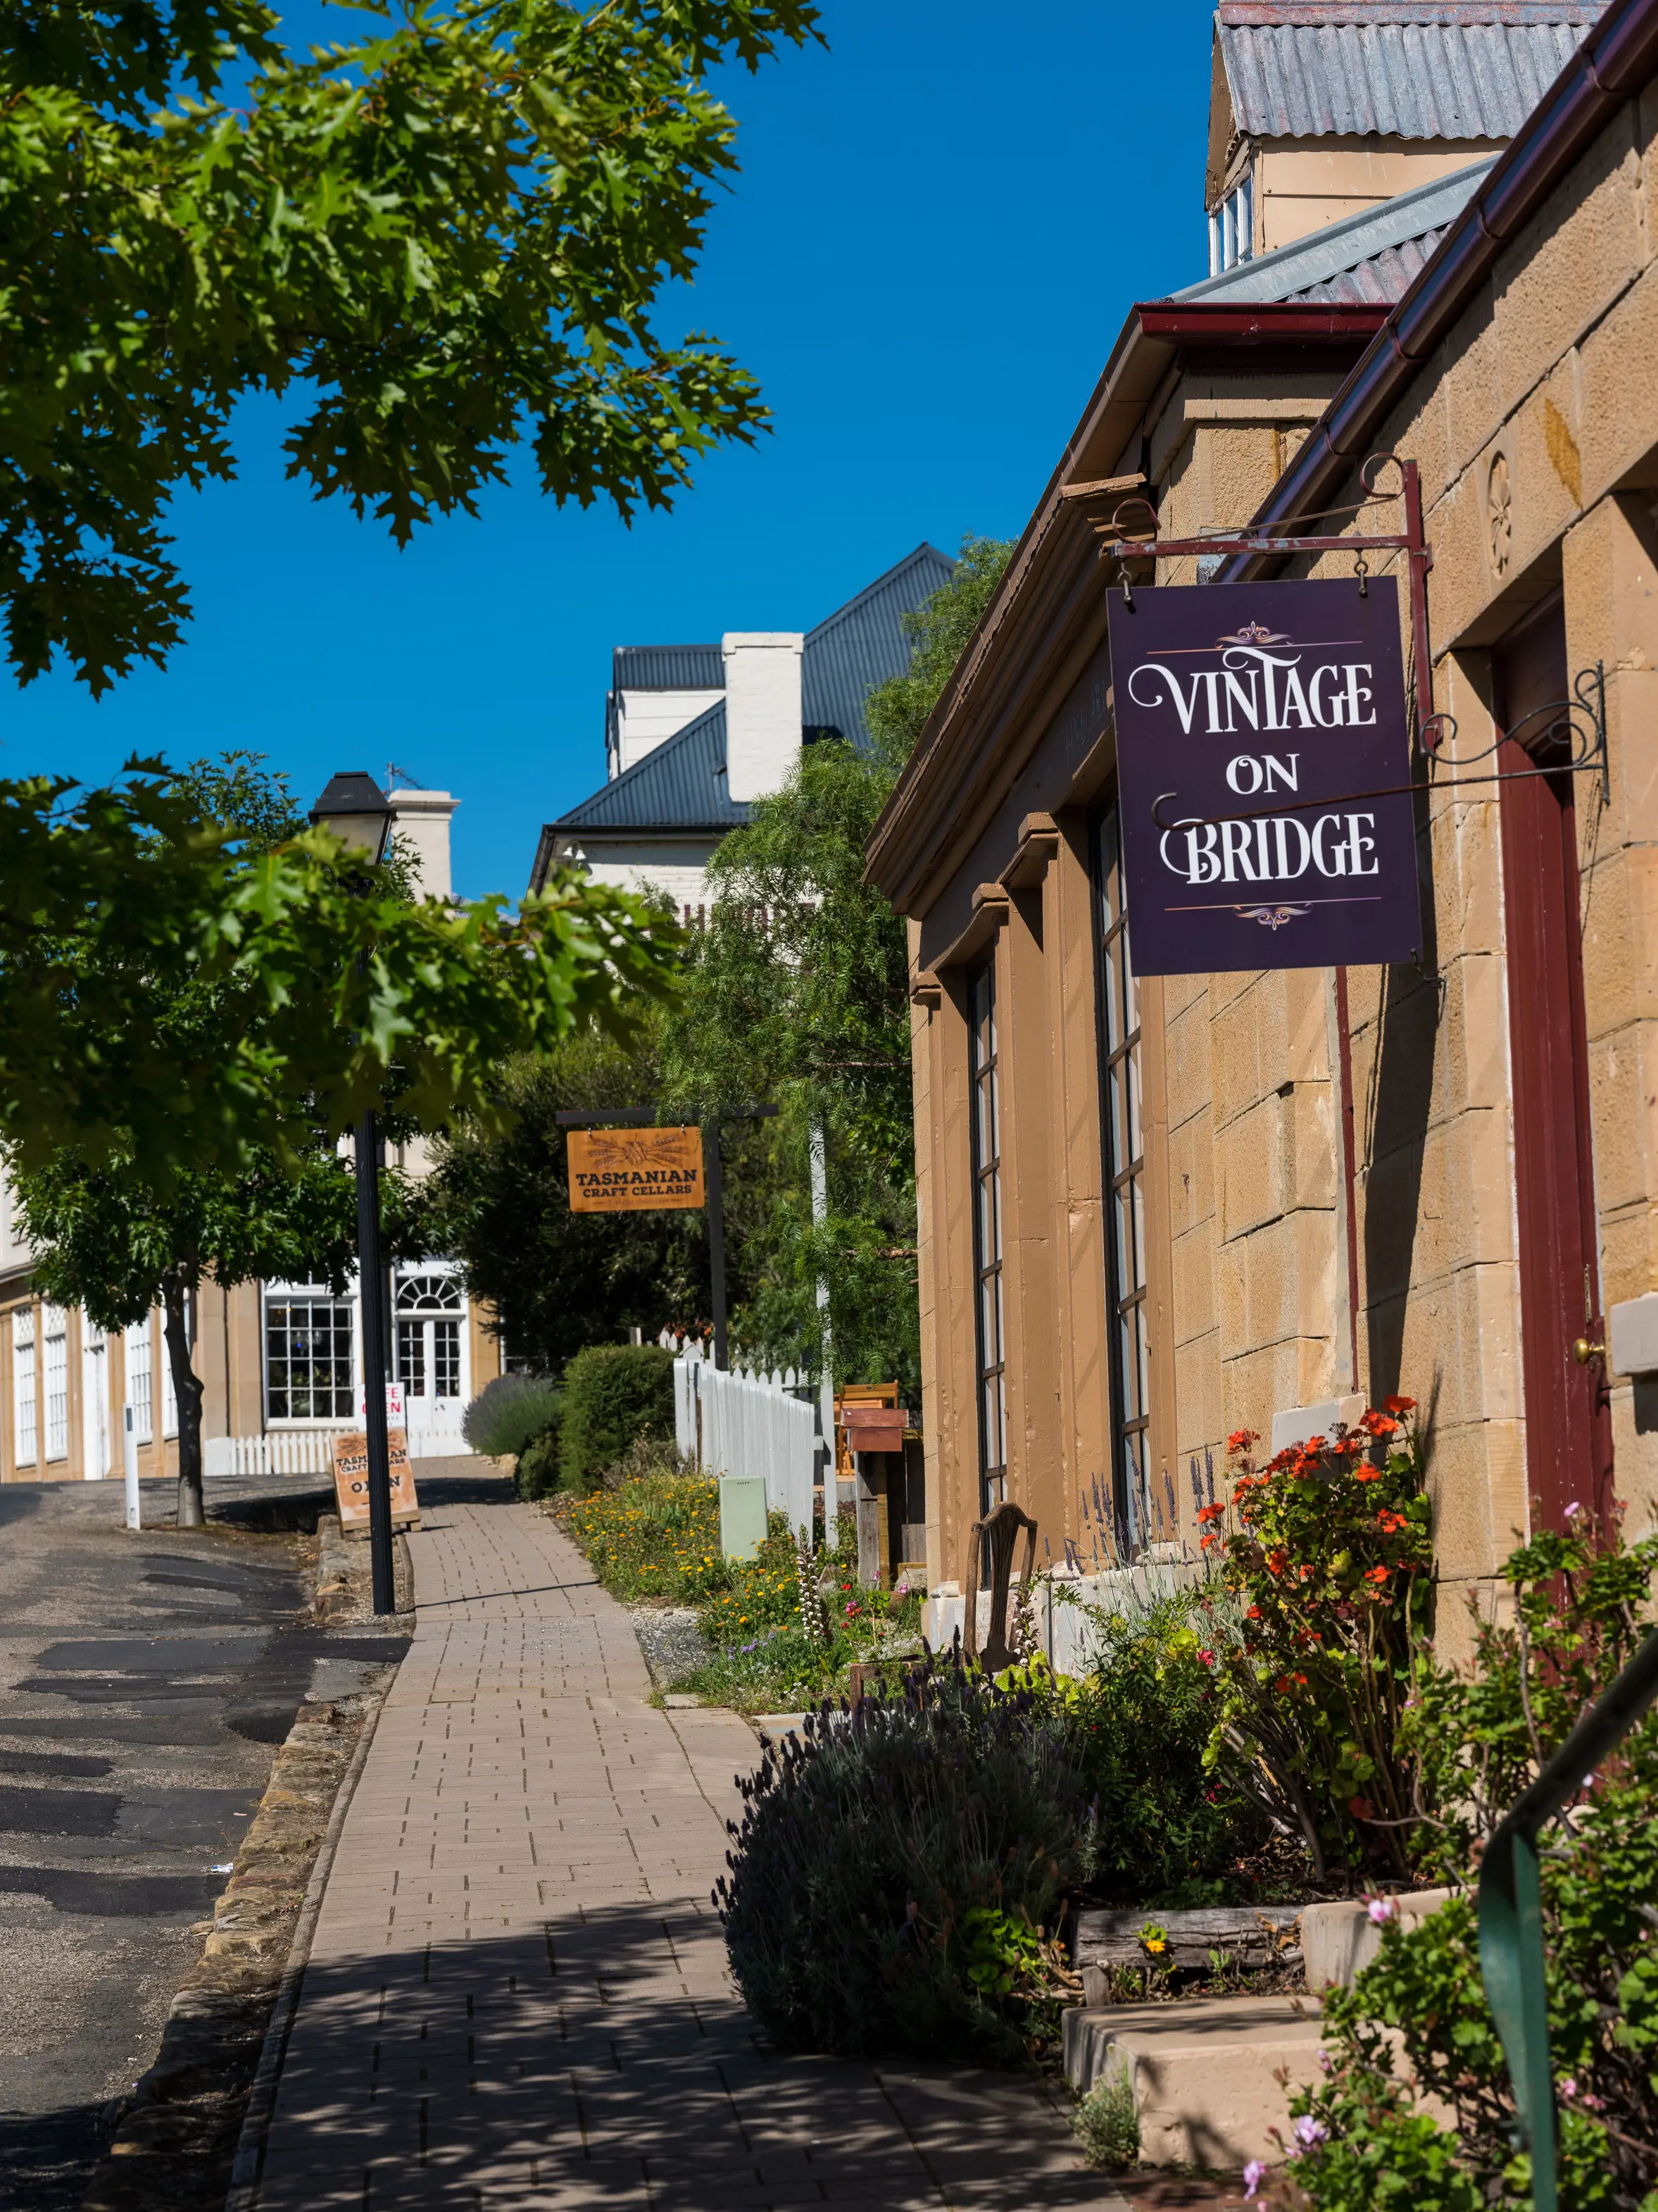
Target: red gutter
1204,323
1614,63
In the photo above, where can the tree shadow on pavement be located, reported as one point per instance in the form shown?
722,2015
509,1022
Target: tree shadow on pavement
602,2058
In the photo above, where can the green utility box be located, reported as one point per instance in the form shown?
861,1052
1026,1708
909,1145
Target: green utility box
741,1515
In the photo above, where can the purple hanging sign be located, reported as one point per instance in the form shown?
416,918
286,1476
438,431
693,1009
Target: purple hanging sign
1256,723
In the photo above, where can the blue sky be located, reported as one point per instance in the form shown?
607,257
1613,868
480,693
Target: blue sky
938,226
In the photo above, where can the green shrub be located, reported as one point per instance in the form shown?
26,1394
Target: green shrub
613,1393
1106,2122
536,1472
507,1413
1169,1832
1363,2137
901,1872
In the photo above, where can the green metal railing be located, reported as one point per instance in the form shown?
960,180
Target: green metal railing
1511,1910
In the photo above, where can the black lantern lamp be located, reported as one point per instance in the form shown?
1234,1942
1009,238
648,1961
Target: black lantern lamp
357,812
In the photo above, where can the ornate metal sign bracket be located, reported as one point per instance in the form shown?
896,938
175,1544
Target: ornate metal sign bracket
1120,540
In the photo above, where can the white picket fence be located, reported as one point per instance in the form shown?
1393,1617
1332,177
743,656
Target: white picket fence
282,1451
748,1423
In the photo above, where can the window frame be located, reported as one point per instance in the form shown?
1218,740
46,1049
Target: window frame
1126,1186
984,1111
54,1331
25,1364
315,1294
140,1338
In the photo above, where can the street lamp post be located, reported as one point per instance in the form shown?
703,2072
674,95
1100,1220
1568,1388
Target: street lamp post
356,808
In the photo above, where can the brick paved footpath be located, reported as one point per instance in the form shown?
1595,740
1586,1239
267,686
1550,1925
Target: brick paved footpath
517,1997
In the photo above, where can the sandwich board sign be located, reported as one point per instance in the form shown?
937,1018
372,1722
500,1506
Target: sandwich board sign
1261,747
351,1479
636,1170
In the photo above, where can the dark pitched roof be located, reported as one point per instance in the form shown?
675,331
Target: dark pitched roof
864,642
1362,260
1443,68
668,668
680,785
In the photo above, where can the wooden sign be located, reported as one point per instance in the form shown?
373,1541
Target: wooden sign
351,1479
634,1171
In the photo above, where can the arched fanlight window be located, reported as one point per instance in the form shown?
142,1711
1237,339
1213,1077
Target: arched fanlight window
428,1307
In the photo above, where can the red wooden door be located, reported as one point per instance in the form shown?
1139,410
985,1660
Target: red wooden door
1568,1415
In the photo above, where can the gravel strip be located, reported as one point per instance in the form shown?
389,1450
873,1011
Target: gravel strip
672,1644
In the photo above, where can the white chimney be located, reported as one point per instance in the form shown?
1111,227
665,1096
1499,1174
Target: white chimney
763,709
421,817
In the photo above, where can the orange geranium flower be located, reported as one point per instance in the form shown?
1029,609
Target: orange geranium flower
1400,1405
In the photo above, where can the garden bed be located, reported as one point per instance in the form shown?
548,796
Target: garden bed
765,1635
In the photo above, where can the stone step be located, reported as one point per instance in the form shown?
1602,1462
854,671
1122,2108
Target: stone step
1203,2069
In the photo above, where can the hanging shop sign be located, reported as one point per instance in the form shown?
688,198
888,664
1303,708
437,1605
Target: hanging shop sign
634,1171
1261,744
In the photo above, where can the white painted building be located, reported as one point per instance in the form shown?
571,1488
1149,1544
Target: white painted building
694,734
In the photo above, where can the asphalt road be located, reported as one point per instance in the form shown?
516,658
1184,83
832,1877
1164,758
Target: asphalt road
145,1681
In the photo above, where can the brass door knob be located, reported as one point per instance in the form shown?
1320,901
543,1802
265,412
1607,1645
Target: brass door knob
1584,1351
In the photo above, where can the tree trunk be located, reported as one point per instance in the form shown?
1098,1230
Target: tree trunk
176,1286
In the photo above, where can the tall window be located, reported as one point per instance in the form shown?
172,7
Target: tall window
140,1386
169,1394
428,1309
55,1336
308,1355
23,1386
987,1244
1125,1163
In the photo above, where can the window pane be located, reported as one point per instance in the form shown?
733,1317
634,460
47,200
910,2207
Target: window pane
445,1360
308,1359
23,1386
138,1386
411,1357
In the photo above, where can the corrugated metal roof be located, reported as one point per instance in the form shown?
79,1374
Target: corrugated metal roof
1328,72
864,642
667,668
1359,259
679,785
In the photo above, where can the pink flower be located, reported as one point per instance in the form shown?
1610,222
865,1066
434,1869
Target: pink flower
1205,1658
1568,2088
1573,1510
1309,2131
1253,2174
1382,1910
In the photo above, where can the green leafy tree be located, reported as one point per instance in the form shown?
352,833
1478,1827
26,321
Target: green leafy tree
449,233
110,1242
499,1200
798,990
897,711
327,987
119,1223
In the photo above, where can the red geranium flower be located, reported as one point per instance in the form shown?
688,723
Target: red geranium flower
1379,1424
1400,1405
1377,1575
1240,1440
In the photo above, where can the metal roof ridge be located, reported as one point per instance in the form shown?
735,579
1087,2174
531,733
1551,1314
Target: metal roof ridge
1390,222
656,754
880,583
1295,14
